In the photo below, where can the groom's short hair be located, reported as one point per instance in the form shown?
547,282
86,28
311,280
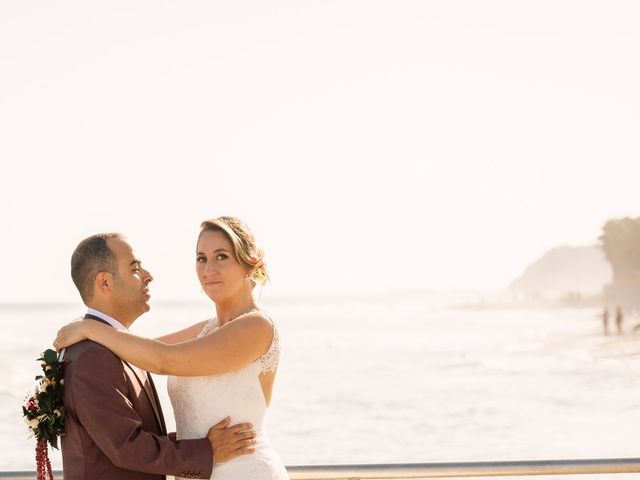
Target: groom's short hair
92,256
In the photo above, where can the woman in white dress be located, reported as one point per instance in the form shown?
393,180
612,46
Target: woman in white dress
222,367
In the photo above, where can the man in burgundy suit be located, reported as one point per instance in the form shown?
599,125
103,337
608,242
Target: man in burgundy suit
114,428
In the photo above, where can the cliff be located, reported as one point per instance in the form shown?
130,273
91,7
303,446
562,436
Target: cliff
564,271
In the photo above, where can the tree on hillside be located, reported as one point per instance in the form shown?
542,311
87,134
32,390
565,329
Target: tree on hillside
620,241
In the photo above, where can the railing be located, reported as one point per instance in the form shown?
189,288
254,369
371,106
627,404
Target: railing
438,470
466,469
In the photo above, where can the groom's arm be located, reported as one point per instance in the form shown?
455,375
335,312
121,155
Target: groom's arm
98,392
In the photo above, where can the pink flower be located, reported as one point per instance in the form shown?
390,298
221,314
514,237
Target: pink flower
32,404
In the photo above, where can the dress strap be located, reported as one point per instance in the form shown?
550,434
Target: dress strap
208,327
269,361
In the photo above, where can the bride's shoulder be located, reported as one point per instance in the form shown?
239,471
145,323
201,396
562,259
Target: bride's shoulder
260,314
256,317
256,322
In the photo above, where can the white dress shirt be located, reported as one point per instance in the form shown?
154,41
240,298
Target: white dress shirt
103,316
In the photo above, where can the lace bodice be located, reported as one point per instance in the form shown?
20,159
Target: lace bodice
201,402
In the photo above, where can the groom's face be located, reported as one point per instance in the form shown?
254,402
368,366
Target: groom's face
130,292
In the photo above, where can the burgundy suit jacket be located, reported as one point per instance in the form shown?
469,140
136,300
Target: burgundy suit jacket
114,428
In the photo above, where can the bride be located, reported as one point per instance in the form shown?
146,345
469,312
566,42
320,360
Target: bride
223,367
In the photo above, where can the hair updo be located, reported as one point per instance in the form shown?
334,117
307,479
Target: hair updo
246,250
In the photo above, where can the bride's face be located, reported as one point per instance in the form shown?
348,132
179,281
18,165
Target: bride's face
219,272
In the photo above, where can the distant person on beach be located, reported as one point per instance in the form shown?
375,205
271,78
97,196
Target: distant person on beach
619,319
221,367
114,428
605,320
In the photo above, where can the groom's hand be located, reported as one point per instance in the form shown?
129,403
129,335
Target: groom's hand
232,442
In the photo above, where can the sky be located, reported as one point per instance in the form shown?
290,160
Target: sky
371,146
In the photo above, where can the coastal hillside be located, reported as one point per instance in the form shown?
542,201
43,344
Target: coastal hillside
562,271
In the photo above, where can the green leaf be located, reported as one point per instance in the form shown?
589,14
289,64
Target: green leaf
50,356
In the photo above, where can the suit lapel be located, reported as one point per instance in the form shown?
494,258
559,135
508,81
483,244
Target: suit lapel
159,412
149,392
147,386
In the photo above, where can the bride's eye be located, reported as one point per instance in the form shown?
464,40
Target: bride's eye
201,259
221,256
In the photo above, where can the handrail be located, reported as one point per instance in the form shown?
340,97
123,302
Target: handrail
437,470
464,469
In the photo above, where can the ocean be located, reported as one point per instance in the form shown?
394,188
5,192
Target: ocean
398,379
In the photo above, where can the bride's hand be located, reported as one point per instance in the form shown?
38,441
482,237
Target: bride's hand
71,333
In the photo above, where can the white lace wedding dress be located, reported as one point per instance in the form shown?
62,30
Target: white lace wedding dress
201,402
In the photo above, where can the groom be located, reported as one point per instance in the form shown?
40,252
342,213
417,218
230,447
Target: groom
114,428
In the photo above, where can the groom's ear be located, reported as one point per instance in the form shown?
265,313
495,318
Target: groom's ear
104,282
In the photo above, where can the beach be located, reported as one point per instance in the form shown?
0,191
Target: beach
398,379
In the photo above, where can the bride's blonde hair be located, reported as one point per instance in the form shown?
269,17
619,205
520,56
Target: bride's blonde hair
247,251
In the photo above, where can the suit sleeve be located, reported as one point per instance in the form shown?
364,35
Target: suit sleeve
99,397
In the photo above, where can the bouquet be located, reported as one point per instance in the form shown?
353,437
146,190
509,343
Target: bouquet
43,411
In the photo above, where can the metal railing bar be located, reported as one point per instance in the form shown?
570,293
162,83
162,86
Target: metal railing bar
464,469
437,470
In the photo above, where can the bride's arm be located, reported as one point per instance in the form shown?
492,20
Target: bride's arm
229,348
183,335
